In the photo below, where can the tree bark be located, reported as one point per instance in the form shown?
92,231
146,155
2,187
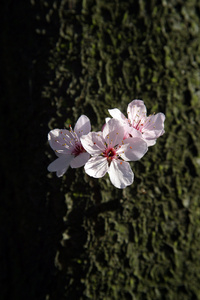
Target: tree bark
78,237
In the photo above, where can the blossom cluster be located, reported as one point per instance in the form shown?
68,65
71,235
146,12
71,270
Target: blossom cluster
121,140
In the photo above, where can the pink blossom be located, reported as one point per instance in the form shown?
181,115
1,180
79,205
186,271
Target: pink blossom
110,153
68,147
150,127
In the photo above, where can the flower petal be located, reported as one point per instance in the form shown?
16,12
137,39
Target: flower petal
59,139
117,114
113,132
136,111
80,160
120,174
134,132
133,149
60,165
131,132
82,126
154,126
151,142
93,142
97,166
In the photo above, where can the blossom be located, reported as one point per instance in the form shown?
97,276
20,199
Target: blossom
68,147
151,127
111,153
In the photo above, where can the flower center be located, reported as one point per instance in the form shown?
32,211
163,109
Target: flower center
139,124
110,154
78,149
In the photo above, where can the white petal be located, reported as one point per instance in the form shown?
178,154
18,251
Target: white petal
96,167
136,111
133,149
153,128
150,142
154,125
117,114
113,132
52,138
131,132
107,119
60,165
59,139
82,126
60,173
93,143
120,174
134,132
80,160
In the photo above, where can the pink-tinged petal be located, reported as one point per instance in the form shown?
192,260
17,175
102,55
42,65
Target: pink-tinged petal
153,128
117,114
154,125
82,126
136,111
96,167
53,136
133,149
60,153
135,133
60,165
60,173
93,143
113,132
131,132
60,139
80,160
107,119
111,125
120,174
150,142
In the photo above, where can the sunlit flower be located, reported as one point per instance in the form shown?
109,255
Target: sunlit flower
111,153
151,127
68,147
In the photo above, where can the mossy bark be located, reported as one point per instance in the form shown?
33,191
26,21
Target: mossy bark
79,237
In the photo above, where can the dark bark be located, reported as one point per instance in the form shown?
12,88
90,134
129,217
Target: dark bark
79,237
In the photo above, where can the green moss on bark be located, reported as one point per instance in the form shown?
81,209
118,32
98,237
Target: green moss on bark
138,242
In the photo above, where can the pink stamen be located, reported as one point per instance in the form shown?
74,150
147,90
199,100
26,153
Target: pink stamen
110,154
78,149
